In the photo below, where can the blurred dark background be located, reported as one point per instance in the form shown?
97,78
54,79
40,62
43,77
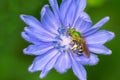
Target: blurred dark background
14,64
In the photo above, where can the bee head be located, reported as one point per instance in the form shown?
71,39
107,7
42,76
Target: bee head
70,31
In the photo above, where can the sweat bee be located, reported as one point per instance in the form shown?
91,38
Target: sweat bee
78,43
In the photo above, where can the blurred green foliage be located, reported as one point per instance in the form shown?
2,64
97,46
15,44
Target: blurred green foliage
14,64
95,3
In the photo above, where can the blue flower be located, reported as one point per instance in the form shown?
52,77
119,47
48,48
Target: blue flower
65,38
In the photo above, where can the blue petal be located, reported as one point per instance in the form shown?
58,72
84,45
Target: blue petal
43,74
85,16
34,23
80,6
49,21
38,35
64,9
70,10
100,37
30,38
82,25
38,49
63,63
78,69
92,60
69,17
41,61
99,49
49,66
96,26
55,7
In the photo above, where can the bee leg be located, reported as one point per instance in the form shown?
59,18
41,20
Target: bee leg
74,47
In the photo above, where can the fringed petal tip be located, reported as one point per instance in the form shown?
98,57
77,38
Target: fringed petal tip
61,71
31,21
25,51
93,60
27,37
26,18
23,35
43,74
111,35
109,52
107,18
30,69
104,20
43,11
23,16
99,49
85,17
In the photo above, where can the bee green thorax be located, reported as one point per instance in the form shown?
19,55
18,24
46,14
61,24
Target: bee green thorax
74,34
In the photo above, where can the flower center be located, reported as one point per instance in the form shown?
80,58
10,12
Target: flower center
71,39
65,41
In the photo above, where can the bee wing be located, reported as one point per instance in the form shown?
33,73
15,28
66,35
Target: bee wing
85,48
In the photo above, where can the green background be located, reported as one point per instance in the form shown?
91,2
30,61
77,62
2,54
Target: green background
14,64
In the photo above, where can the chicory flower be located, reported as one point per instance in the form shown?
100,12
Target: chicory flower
65,38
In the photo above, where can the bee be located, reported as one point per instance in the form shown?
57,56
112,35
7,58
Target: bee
78,43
